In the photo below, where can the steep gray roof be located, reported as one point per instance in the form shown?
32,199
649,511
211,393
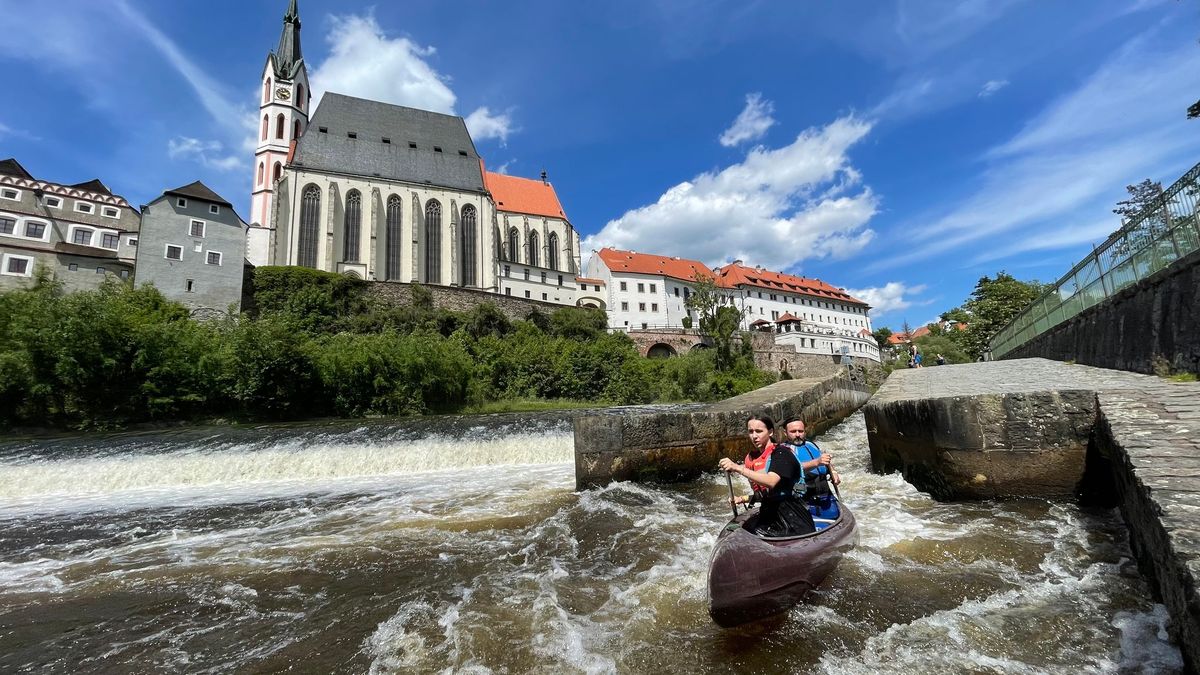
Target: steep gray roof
287,55
12,167
456,165
198,190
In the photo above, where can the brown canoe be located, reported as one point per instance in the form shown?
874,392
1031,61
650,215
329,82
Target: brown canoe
752,577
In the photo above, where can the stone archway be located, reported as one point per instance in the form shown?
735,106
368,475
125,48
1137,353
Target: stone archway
661,350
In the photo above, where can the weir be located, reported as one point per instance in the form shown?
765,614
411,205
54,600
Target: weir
1040,428
674,445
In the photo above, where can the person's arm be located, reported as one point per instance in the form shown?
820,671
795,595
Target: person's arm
761,477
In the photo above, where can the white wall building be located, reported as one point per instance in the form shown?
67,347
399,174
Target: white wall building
644,290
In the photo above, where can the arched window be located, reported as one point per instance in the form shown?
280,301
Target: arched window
433,242
260,173
266,127
300,102
552,251
514,244
276,172
353,225
533,249
468,246
267,92
393,238
295,130
310,216
279,126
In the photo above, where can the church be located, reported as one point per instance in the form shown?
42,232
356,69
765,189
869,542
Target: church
390,193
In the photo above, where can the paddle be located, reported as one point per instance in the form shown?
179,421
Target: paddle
729,479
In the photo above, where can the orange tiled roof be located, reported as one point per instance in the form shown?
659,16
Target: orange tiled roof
523,195
788,317
734,275
645,263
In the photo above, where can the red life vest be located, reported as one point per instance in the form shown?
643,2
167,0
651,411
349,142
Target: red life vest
760,463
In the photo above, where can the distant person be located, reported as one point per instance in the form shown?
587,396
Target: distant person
917,359
818,470
941,360
773,476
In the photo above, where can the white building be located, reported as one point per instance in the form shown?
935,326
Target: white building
539,256
644,290
815,317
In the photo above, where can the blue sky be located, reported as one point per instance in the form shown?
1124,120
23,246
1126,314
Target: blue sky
898,149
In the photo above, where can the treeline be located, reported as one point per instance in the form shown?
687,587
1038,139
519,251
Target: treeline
313,344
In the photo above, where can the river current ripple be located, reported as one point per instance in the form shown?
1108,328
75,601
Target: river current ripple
460,546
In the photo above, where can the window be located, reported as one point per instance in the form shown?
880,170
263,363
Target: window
644,326
544,296
653,288
468,245
352,135
641,288
265,127
100,270
214,209
624,306
436,149
323,130
53,202
8,225
73,267
433,242
552,251
412,146
279,126
124,274
18,265
677,291
132,241
267,90
262,172
310,215
9,193
214,258
35,230
81,236
686,293
560,280
84,207
196,229
174,252
110,212
109,240
533,248
387,141
463,153
352,226
654,307
527,294
508,291
507,269
623,286
641,306
582,287
181,203
189,285
275,173
513,243
543,277
526,274
295,129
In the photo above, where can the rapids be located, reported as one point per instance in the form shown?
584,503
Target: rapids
459,545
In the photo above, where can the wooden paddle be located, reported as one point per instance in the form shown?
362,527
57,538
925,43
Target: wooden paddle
729,479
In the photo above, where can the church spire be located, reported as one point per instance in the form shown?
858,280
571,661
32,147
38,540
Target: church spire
288,54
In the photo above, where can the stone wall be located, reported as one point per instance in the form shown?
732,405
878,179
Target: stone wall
460,299
681,443
1156,317
768,355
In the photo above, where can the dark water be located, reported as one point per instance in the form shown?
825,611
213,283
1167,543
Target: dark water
461,547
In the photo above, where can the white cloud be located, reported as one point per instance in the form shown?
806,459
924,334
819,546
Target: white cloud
752,123
775,208
207,153
365,62
991,87
483,124
892,296
504,168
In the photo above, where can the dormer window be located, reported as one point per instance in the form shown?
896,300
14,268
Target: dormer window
84,207
436,149
387,141
323,130
181,203
11,194
214,209
412,146
110,212
53,202
351,135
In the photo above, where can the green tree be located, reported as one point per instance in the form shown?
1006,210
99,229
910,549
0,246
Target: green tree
718,321
992,304
1141,196
881,336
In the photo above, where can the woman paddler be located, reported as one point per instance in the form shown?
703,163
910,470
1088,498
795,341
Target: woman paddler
772,477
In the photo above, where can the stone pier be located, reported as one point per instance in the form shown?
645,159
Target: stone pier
1033,427
681,443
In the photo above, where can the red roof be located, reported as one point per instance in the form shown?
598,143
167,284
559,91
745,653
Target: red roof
645,263
734,275
586,280
523,195
759,322
787,317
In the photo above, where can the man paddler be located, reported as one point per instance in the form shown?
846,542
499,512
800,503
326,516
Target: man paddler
817,467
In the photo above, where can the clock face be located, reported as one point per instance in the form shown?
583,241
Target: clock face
283,93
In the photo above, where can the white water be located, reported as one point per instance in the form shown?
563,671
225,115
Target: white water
350,551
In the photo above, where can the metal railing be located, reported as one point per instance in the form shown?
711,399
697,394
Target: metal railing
1165,231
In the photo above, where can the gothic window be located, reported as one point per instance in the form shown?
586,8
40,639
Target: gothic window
393,238
295,130
552,253
266,126
260,173
267,92
468,245
300,96
353,225
279,126
533,249
433,242
514,244
276,172
310,216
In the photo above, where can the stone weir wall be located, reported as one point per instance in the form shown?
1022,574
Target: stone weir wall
1040,428
680,444
1156,319
457,299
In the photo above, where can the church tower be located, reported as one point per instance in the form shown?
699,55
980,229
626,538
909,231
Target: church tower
283,116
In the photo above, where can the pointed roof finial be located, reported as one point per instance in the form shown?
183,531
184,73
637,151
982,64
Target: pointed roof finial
288,54
544,177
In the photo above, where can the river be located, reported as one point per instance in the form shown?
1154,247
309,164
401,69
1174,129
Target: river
460,545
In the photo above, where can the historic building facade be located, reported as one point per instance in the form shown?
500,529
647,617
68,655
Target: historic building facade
191,249
390,193
645,291
81,233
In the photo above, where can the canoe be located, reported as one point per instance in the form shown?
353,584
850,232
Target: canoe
752,577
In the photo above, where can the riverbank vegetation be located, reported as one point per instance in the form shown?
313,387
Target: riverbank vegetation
314,344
